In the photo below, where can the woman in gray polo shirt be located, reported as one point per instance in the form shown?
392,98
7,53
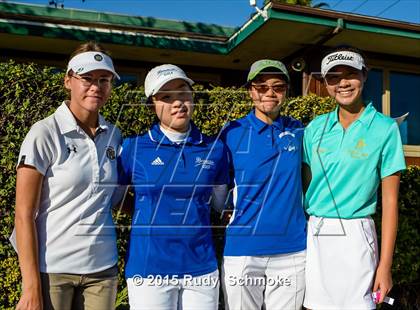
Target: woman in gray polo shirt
64,230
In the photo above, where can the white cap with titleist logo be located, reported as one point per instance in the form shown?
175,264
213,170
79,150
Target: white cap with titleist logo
343,58
160,75
89,61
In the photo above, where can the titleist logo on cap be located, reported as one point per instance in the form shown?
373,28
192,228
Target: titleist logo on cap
345,58
339,56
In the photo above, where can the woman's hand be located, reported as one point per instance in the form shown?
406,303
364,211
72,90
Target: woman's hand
383,282
28,191
383,278
30,300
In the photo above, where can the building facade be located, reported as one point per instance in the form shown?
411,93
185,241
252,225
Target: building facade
216,55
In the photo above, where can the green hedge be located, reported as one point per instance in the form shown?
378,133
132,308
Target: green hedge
29,93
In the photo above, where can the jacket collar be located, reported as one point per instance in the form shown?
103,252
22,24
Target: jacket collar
157,136
259,125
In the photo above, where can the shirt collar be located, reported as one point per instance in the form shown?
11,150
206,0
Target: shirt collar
367,115
332,119
102,125
259,125
365,118
65,119
156,135
67,123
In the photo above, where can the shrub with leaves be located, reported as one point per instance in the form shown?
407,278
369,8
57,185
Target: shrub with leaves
29,93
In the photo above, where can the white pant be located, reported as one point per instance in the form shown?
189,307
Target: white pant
272,282
340,264
201,292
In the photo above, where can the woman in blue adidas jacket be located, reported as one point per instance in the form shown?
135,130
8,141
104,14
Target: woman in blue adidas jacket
175,172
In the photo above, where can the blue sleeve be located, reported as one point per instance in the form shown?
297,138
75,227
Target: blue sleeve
125,161
230,169
392,155
297,124
222,176
291,123
223,132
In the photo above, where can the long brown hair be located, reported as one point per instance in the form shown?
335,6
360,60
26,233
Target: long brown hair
90,46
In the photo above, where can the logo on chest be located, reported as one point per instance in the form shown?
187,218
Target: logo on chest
204,163
289,140
359,150
110,153
71,148
157,162
286,133
289,148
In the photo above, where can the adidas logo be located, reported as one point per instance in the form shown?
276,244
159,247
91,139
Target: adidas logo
157,162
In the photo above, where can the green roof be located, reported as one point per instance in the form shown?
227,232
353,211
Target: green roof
63,15
28,19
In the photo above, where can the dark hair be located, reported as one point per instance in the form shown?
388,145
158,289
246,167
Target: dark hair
90,46
348,48
149,101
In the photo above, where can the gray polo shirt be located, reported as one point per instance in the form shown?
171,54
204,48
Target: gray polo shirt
76,233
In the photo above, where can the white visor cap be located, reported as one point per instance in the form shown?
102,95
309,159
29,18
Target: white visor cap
343,58
89,61
160,75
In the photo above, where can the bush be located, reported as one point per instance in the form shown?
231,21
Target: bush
29,93
406,265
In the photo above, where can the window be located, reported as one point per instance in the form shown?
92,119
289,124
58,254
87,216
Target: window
372,90
405,97
131,79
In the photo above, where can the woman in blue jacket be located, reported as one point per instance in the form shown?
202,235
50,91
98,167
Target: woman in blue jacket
264,255
175,172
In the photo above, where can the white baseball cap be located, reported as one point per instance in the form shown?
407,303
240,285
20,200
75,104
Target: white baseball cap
344,58
89,61
160,75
